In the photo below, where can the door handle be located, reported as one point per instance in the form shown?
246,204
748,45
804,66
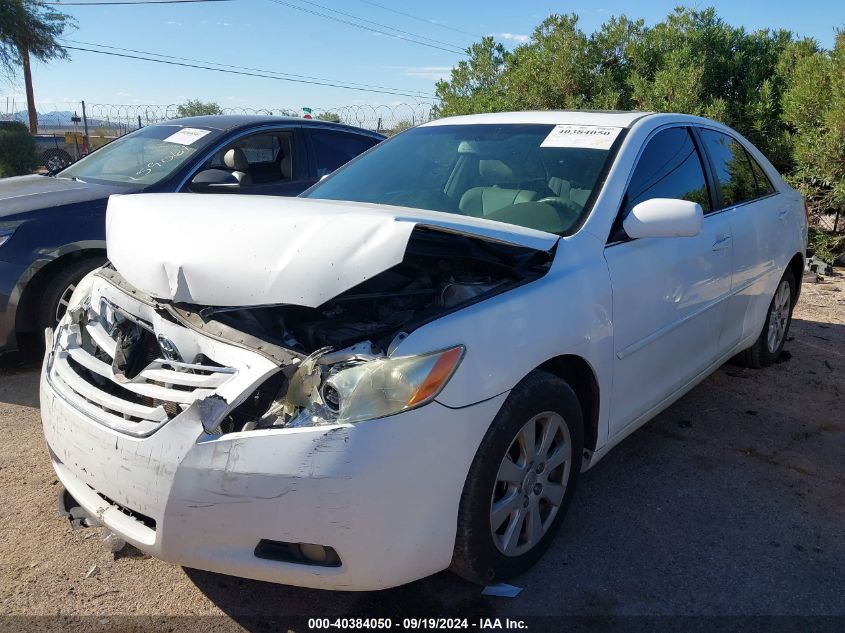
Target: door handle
782,214
722,243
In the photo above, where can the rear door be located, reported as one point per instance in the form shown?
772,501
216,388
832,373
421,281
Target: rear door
756,214
333,148
669,293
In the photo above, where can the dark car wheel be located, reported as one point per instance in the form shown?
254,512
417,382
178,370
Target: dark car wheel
521,481
769,344
59,288
56,159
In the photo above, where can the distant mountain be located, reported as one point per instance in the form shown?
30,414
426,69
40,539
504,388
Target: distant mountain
59,119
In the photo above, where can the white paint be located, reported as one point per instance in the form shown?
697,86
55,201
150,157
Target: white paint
587,136
186,136
651,317
229,250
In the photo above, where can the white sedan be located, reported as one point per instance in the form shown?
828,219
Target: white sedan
406,370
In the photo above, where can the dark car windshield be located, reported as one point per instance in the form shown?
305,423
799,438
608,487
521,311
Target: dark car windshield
525,174
144,157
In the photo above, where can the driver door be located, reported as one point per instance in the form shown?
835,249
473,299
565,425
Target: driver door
276,163
669,293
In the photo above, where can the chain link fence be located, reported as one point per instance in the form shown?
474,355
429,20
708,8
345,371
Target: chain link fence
828,221
68,129
118,119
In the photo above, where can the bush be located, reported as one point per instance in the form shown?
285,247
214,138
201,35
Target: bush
195,107
17,150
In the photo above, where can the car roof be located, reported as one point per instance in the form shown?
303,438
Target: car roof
230,122
616,118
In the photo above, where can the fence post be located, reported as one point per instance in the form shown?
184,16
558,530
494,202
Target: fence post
86,145
139,121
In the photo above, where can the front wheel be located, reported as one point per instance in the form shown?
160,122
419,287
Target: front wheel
60,287
769,344
521,481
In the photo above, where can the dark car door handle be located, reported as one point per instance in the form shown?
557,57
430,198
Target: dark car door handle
722,243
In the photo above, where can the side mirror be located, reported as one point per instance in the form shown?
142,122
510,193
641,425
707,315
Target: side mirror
214,180
664,217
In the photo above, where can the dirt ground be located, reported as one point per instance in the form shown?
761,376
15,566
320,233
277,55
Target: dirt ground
732,502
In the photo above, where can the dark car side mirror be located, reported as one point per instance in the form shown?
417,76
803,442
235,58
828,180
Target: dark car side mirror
214,181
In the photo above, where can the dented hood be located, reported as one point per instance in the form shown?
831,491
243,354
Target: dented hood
233,250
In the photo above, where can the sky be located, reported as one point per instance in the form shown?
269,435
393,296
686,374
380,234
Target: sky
272,35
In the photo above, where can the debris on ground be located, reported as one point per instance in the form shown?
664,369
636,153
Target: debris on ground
113,542
816,267
91,571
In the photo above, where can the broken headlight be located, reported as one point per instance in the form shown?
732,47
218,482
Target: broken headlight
379,388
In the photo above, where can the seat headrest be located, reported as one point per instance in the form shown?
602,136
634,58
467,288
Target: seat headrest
287,167
495,171
236,159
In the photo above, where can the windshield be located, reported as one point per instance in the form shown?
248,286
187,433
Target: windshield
144,157
524,174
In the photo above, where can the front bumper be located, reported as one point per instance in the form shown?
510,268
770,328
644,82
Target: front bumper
383,493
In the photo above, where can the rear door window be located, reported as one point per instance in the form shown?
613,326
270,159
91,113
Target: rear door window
734,173
333,148
764,185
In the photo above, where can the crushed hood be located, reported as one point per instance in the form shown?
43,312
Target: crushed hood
232,250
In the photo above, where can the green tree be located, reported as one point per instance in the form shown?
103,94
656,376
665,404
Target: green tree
814,108
30,28
475,84
17,150
195,107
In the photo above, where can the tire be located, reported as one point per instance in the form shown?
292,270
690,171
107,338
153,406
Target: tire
55,159
778,318
51,306
483,552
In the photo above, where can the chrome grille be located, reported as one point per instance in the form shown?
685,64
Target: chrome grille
82,373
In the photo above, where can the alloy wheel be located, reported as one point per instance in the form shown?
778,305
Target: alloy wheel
530,484
64,299
779,316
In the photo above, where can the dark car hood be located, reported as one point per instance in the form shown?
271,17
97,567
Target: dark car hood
28,193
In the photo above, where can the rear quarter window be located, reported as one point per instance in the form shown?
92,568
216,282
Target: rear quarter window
734,173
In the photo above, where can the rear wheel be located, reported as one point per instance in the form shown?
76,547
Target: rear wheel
55,159
521,481
769,344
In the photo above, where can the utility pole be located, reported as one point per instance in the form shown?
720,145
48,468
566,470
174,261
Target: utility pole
30,95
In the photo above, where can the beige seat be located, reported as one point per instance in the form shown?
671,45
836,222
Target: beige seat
235,160
482,201
564,189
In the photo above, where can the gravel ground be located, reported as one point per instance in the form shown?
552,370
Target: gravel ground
732,502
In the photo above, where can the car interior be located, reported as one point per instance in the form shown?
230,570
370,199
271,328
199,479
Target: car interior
258,159
542,189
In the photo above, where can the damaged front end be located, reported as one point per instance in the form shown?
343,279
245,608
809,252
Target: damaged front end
350,370
135,362
345,366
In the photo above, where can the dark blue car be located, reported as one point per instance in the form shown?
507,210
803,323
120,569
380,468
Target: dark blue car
52,228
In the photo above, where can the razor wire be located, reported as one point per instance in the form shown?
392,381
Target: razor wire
123,118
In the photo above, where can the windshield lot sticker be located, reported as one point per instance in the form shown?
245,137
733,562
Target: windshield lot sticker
186,136
591,136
